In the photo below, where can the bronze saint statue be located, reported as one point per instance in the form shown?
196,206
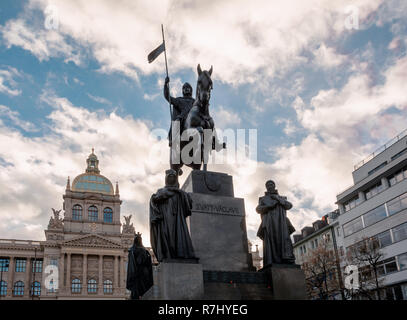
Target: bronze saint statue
275,228
169,208
139,270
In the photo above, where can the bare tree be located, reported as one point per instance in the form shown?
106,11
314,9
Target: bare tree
367,256
321,272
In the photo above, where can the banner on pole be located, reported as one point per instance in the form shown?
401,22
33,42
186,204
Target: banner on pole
156,52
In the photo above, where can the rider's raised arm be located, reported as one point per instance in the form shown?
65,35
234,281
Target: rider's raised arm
167,91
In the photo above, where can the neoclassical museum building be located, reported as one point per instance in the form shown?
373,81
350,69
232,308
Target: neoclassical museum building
84,255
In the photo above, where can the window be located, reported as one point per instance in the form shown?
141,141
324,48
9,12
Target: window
92,286
20,265
338,231
403,261
108,215
107,286
76,286
387,266
19,288
352,226
351,203
53,261
36,266
384,239
4,263
397,204
36,289
400,232
374,215
77,212
3,288
372,191
377,168
397,177
399,154
93,213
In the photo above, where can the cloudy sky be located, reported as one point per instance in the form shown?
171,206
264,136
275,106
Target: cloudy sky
323,82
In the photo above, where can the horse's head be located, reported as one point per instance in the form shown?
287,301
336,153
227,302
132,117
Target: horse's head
204,85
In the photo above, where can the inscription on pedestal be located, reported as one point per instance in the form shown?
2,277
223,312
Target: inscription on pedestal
217,224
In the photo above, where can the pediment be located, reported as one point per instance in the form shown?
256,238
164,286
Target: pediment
92,241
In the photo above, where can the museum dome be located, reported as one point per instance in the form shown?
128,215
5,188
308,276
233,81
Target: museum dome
92,180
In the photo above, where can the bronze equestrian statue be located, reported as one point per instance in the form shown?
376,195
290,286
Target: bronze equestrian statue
198,125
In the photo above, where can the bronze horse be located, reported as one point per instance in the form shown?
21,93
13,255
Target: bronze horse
199,124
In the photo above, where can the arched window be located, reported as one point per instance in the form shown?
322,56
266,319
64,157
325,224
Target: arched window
36,289
107,286
108,215
92,286
19,288
76,286
93,213
3,288
77,212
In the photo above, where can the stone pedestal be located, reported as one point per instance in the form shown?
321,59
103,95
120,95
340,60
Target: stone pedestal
217,224
176,281
287,282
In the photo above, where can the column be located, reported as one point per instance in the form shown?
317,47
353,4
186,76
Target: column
116,274
10,277
68,270
27,278
61,271
100,286
84,273
122,280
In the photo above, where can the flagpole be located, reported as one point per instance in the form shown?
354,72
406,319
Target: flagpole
166,69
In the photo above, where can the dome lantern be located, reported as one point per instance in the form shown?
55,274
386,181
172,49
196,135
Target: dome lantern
93,163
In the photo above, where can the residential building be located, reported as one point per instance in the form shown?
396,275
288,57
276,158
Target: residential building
320,239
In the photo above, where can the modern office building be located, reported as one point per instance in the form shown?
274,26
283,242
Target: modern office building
376,206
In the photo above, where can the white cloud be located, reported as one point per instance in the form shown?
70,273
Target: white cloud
14,116
98,99
43,164
327,57
7,82
224,117
320,166
244,41
40,42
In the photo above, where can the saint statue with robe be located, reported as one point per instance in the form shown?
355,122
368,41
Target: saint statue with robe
275,228
169,208
139,270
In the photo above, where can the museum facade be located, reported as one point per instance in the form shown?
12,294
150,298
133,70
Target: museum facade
85,253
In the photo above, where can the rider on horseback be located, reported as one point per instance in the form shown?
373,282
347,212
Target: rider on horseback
181,105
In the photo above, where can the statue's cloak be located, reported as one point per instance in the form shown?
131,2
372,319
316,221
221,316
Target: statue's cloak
275,230
139,271
169,235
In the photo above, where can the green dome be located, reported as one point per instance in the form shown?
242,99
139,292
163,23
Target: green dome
89,182
92,180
